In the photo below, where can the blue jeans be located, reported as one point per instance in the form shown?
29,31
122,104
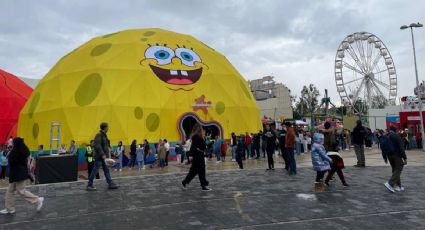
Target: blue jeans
292,163
298,147
162,163
218,155
132,161
97,165
248,150
118,164
141,164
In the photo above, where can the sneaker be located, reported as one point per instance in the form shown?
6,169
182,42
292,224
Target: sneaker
184,185
120,170
389,187
345,185
206,189
115,170
40,203
91,188
327,184
112,186
5,212
399,188
233,160
218,162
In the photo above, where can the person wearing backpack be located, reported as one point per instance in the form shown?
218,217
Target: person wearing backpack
393,152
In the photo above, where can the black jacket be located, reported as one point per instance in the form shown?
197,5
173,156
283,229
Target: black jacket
358,133
397,144
101,145
18,165
197,149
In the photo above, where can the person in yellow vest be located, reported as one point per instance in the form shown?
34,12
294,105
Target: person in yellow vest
90,159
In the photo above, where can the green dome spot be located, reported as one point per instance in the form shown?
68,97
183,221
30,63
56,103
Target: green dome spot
109,35
152,122
220,108
148,33
35,130
138,113
88,89
33,105
144,39
100,49
245,90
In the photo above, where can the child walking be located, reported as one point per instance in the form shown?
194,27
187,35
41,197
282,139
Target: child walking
320,161
140,157
336,166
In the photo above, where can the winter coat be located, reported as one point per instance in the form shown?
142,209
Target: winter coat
101,145
197,149
337,161
18,165
319,158
359,133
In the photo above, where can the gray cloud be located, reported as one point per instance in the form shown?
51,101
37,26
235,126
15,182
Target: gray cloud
289,39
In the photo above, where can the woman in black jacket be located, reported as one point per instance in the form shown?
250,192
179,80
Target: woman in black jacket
133,148
197,153
18,175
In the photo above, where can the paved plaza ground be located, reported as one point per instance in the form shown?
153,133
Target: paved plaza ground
241,199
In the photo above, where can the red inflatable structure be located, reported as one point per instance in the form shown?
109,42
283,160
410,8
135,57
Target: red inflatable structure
14,93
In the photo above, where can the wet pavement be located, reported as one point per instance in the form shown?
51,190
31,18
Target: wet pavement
241,199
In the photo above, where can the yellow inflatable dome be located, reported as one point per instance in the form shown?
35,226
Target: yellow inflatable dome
147,84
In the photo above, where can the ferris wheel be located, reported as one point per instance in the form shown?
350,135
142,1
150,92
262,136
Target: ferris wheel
365,72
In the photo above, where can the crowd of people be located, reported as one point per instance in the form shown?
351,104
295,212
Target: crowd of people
323,143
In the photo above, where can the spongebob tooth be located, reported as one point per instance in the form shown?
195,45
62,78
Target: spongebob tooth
173,72
183,72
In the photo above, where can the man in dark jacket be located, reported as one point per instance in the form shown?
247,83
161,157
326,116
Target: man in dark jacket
358,134
397,157
270,138
101,152
282,135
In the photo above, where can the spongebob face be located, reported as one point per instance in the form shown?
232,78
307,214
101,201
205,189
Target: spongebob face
176,67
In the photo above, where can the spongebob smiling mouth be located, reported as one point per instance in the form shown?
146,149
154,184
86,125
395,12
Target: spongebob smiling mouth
177,77
178,67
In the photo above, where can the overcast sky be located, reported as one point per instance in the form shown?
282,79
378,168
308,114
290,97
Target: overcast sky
295,41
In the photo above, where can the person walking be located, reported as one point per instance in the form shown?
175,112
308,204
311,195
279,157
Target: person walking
90,159
393,152
336,166
248,145
197,153
282,135
320,161
289,147
359,133
18,175
101,152
270,138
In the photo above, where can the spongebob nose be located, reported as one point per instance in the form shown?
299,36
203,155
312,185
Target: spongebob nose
176,61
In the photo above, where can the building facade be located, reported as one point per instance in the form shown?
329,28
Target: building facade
273,99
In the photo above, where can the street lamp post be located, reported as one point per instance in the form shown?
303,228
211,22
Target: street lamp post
411,26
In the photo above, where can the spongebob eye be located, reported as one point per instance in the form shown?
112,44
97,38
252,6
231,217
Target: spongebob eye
162,54
188,57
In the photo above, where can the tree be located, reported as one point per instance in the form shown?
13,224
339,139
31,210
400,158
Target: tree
309,97
378,102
